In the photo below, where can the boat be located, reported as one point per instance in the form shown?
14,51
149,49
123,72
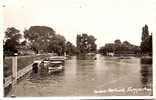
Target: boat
55,66
56,58
91,56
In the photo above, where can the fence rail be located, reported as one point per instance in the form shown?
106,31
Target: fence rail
22,69
8,80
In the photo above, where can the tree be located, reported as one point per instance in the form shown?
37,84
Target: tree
70,48
91,43
117,46
128,48
136,49
146,43
117,41
57,44
125,46
45,39
12,41
78,40
102,50
39,36
145,32
109,47
86,43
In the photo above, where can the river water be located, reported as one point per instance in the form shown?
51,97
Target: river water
105,76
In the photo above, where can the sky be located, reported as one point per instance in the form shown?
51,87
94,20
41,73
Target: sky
106,20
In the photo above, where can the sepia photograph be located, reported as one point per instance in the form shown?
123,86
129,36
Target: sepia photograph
78,48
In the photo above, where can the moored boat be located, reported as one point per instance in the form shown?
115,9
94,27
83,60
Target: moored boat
55,66
56,58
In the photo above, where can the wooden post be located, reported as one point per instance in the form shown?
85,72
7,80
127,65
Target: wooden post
14,69
14,75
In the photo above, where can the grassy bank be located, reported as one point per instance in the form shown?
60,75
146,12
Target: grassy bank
7,67
22,62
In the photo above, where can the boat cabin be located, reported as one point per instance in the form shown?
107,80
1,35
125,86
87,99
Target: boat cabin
55,58
55,66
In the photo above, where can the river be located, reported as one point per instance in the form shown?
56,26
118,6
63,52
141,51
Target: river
105,76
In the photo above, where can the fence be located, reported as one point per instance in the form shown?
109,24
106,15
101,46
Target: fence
17,66
22,62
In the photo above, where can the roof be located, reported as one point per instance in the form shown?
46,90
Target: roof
37,61
56,58
56,62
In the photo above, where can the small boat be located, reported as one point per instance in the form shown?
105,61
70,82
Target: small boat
55,58
55,66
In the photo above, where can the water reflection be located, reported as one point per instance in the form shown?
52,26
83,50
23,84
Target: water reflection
89,56
146,72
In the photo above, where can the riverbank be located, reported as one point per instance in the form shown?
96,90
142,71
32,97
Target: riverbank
24,65
22,62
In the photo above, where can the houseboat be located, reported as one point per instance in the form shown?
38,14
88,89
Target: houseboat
53,64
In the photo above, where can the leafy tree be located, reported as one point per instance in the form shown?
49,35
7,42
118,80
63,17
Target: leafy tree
146,44
70,48
109,47
145,32
117,41
91,43
86,43
125,46
12,41
102,50
57,44
39,36
136,49
44,39
117,46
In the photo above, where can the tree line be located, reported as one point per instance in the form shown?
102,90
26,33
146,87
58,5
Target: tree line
121,48
43,39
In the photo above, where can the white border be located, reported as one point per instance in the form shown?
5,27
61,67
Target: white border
154,62
80,97
1,50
